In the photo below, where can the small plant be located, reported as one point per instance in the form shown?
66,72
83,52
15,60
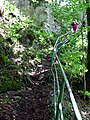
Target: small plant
86,93
9,85
6,100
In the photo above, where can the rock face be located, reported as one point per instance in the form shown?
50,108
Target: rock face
2,2
51,24
24,5
42,14
1,7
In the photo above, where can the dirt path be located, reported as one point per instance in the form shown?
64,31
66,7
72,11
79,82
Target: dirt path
30,104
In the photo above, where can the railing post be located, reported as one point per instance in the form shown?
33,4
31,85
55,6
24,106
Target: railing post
60,98
74,104
58,106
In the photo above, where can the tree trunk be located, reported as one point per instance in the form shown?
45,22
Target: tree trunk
88,52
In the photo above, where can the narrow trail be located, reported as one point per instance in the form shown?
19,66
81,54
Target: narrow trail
32,102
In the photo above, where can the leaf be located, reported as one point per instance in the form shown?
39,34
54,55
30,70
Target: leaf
5,59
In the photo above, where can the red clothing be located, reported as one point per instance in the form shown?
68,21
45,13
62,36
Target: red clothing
74,27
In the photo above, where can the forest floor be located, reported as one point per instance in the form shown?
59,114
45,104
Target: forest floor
33,101
30,104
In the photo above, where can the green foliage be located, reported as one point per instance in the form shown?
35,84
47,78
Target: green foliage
37,2
72,55
9,7
6,100
24,39
66,14
36,42
86,93
73,58
3,57
7,81
27,34
9,85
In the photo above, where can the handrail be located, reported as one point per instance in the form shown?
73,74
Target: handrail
59,90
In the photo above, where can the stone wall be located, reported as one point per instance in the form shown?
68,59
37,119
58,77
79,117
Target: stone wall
41,13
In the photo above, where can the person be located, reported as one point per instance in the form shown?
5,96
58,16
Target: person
74,26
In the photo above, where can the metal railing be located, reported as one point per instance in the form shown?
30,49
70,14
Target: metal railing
59,90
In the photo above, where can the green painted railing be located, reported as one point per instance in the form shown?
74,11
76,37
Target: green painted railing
59,89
